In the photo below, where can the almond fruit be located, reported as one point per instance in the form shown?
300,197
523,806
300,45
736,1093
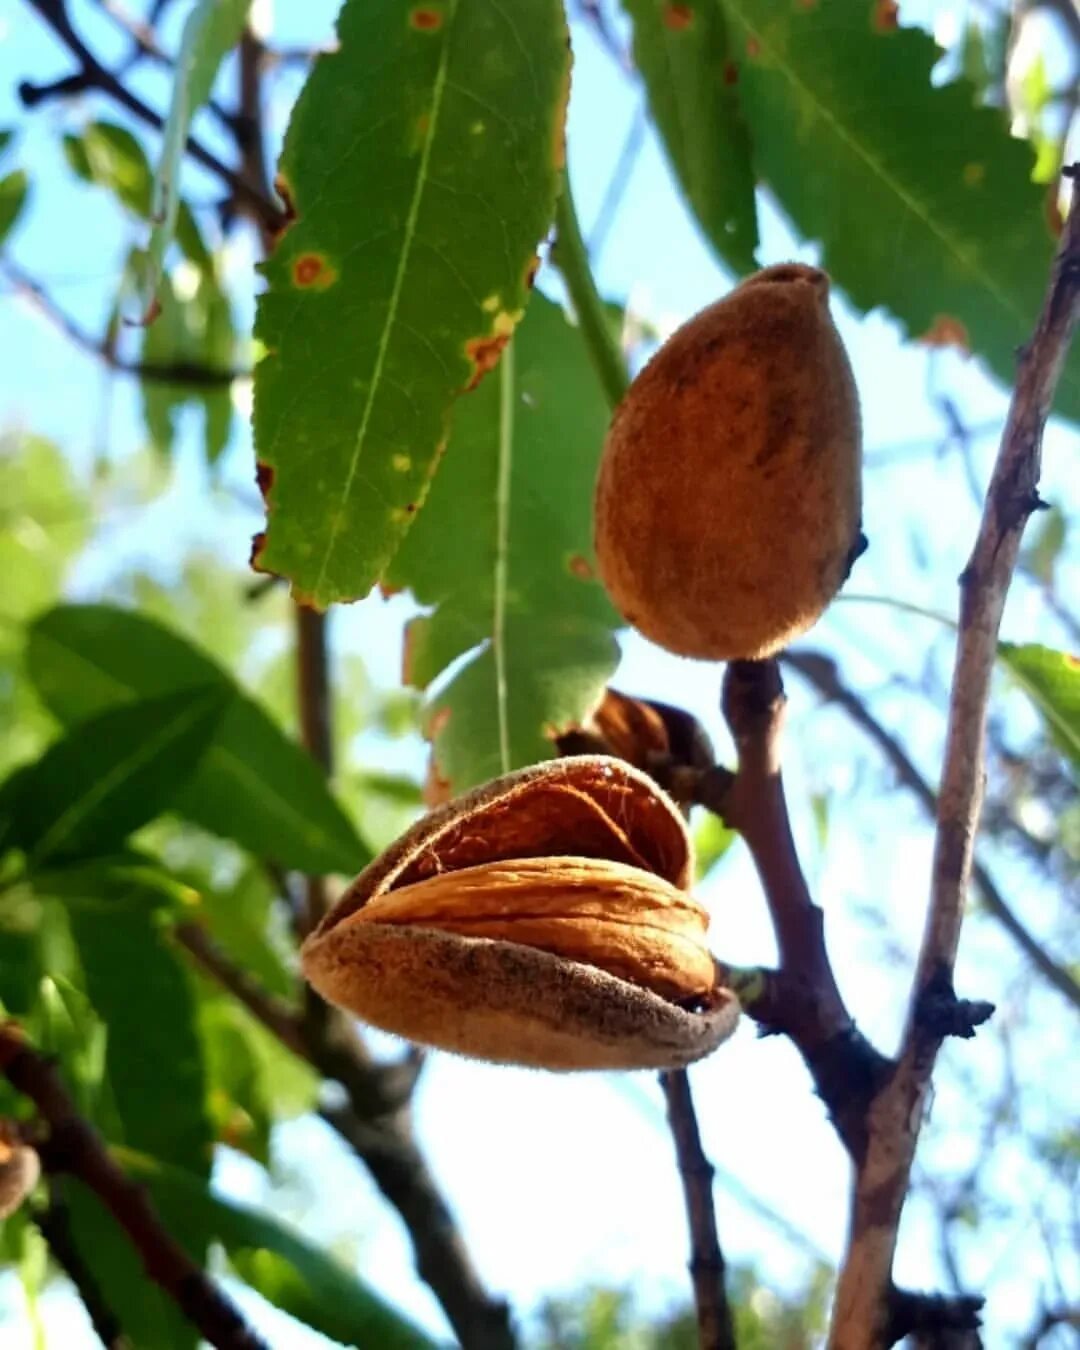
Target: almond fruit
728,500
543,919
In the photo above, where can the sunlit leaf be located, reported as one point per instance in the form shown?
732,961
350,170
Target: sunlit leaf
421,164
684,55
1052,681
254,786
108,775
108,155
956,243
212,29
13,190
193,332
302,1280
503,551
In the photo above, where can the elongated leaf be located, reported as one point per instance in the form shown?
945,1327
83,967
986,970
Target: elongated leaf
193,329
149,1317
954,242
13,189
109,155
685,57
1052,681
155,1075
421,163
212,29
504,552
302,1280
109,775
254,786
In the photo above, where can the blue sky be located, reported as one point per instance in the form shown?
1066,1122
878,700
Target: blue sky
561,1181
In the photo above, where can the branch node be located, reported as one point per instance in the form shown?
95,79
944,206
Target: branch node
939,1013
927,1315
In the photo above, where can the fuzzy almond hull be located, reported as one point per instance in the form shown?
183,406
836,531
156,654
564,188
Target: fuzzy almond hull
506,1003
728,501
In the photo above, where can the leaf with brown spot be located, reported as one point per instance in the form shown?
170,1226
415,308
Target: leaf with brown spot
959,232
503,553
679,49
421,180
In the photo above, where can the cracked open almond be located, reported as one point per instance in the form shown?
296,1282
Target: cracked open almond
543,919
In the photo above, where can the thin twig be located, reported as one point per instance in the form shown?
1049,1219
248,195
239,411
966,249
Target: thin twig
93,75
821,671
275,1015
896,1115
101,349
74,1146
54,1224
716,1329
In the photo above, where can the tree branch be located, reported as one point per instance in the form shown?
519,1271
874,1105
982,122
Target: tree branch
716,1330
93,75
821,671
179,372
54,1225
802,998
74,1146
896,1115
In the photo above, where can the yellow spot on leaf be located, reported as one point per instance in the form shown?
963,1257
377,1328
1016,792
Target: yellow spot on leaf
974,174
402,463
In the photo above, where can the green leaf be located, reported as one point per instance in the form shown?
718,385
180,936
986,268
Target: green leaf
1052,681
252,1081
955,244
109,775
685,58
149,1317
212,29
192,329
153,1058
303,1280
155,1074
712,839
421,163
13,189
1041,555
254,785
503,552
108,155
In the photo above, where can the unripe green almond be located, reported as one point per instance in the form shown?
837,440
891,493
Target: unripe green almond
728,502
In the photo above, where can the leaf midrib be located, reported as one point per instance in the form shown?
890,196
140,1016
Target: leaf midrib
227,760
68,821
337,523
864,154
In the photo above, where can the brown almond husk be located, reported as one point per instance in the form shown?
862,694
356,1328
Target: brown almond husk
542,919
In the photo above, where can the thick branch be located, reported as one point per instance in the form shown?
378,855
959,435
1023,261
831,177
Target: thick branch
801,999
821,671
93,75
716,1330
74,1146
896,1116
